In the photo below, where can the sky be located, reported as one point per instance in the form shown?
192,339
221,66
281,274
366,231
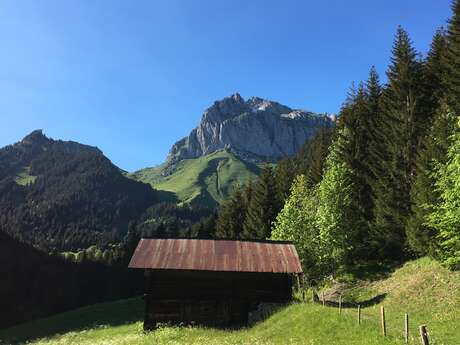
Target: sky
133,77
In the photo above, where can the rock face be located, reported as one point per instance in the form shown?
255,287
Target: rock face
257,130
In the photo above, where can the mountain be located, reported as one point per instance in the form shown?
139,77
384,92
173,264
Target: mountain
233,139
256,130
62,195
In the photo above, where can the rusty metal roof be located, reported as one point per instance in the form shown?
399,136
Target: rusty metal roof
216,255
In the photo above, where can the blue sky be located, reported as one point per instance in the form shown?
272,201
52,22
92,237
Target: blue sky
132,77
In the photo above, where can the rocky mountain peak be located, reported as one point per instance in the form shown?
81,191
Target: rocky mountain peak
257,130
36,137
225,109
259,104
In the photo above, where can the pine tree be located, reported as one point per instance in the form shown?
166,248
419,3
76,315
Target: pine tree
405,125
263,206
433,148
310,160
231,216
435,71
452,77
360,146
207,227
285,173
353,146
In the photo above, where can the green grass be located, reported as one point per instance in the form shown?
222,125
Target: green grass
428,292
24,178
119,323
206,180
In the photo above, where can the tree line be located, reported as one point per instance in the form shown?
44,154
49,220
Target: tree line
385,185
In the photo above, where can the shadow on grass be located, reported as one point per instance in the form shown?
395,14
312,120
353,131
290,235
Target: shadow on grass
166,196
374,270
349,305
95,316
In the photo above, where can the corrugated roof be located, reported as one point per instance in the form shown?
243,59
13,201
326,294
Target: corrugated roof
216,255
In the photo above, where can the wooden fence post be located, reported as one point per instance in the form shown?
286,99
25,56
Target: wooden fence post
340,304
424,335
406,328
359,314
303,296
322,296
384,325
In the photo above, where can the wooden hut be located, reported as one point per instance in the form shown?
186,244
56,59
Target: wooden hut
213,282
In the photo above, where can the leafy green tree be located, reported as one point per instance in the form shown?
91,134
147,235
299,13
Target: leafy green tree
297,223
322,221
445,216
338,218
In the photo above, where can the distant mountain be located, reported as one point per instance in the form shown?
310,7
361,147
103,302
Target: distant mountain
62,195
234,138
255,130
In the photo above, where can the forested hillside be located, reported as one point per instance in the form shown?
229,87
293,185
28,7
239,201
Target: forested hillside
36,284
386,186
63,195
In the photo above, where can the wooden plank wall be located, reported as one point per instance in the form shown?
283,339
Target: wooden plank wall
211,298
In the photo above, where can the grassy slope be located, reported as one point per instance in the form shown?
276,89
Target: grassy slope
427,291
23,177
208,179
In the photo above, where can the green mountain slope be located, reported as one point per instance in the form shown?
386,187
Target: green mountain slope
427,291
64,196
206,180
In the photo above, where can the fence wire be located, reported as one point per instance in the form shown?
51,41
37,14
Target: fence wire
371,315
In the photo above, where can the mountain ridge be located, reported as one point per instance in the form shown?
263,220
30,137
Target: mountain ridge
62,195
257,130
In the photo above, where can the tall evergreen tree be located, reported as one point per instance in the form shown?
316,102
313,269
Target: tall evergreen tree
421,237
435,71
312,156
400,101
379,128
452,78
231,216
263,206
285,172
309,161
353,145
